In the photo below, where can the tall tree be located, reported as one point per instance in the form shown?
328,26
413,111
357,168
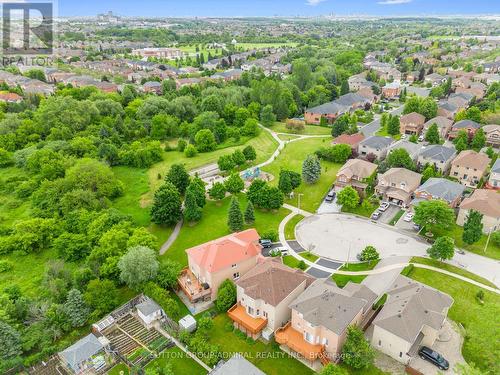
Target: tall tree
267,116
443,248
357,352
434,213
166,207
399,158
192,212
479,140
226,295
393,125
311,169
285,183
249,214
235,217
234,184
432,134
473,227
348,197
179,177
76,308
10,341
138,266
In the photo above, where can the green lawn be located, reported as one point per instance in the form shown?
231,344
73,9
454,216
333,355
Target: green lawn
309,256
267,357
291,261
119,369
290,226
396,217
280,127
481,344
361,210
342,280
264,144
181,363
450,268
291,158
287,137
214,225
382,132
456,231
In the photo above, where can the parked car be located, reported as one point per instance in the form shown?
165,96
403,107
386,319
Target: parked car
265,243
330,197
383,206
376,215
433,357
421,138
408,217
403,136
417,227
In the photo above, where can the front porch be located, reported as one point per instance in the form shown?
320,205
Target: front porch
245,322
192,287
294,339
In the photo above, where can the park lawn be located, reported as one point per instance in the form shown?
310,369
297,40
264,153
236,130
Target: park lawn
181,363
288,137
342,280
120,368
290,226
280,127
214,225
481,344
361,210
493,251
309,256
256,45
264,145
451,268
134,201
267,357
396,217
291,158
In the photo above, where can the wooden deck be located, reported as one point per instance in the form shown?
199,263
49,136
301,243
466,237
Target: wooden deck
191,286
294,339
238,314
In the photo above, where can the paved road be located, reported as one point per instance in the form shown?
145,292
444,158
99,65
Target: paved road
372,127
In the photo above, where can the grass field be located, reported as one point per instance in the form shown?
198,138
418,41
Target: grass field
396,217
291,261
481,344
181,363
290,227
214,225
280,127
291,158
309,256
450,268
119,369
382,132
342,280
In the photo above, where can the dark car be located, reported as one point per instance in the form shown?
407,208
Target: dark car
265,243
330,197
433,357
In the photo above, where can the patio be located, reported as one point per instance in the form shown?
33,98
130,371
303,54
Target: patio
192,287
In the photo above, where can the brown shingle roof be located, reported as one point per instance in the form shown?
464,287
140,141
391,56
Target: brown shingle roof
472,159
412,118
357,167
272,281
485,201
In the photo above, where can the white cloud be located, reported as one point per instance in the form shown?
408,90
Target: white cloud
394,2
313,3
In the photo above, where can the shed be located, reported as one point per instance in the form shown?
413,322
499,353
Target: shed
149,311
187,323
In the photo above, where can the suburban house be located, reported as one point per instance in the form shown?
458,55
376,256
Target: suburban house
228,75
447,109
358,81
320,318
397,185
444,125
10,97
440,188
152,87
494,180
391,90
492,133
469,126
438,156
486,202
263,296
469,167
375,145
237,364
412,123
331,110
349,139
209,264
412,316
434,79
413,149
85,355
149,312
355,172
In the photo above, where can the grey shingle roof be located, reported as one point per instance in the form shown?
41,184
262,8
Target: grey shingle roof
442,188
376,142
496,167
326,108
438,152
81,351
236,365
466,124
148,307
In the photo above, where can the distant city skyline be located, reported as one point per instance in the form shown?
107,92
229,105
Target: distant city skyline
266,8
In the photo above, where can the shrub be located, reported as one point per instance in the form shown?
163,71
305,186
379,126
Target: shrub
270,235
190,151
226,296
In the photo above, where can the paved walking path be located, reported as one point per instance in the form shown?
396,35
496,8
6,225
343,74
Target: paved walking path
369,272
171,239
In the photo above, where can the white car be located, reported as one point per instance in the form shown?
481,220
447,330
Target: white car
383,206
408,217
403,136
421,138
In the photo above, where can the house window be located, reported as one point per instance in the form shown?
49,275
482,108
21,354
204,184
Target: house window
250,310
309,338
258,312
379,342
233,265
325,341
264,313
236,275
400,354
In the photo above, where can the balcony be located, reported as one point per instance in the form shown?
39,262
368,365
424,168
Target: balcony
294,339
238,314
192,287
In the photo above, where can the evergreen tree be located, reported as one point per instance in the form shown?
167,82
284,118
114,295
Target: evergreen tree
443,248
10,341
76,308
461,141
250,153
235,217
357,352
473,227
249,214
267,116
344,87
197,186
479,140
192,212
285,183
166,207
311,169
432,134
217,191
393,126
179,177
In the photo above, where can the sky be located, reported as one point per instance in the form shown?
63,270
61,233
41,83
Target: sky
230,8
